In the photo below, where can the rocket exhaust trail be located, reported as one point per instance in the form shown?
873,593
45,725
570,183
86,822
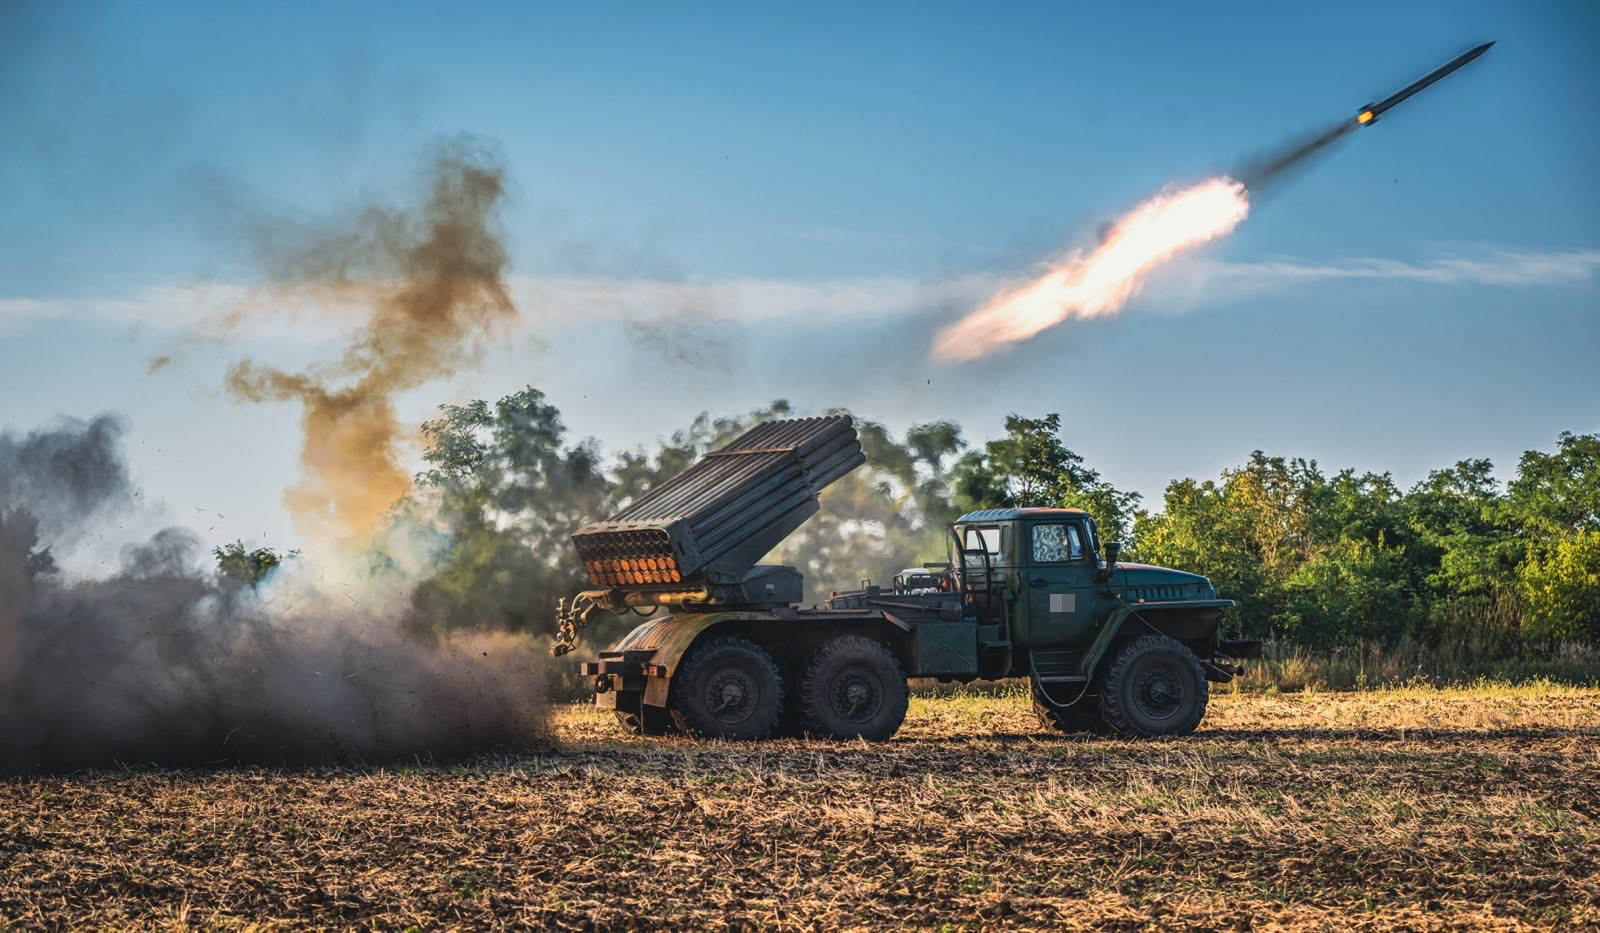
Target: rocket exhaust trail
1285,162
1262,173
1099,283
1084,285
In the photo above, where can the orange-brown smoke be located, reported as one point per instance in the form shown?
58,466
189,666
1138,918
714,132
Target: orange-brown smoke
433,277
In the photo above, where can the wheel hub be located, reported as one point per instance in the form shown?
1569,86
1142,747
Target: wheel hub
730,695
1158,693
856,696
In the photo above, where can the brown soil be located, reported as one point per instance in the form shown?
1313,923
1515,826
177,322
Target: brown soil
1419,809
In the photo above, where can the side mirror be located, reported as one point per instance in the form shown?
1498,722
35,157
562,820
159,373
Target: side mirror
1113,551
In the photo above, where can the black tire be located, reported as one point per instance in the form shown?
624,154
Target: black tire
649,720
791,723
853,687
1082,716
727,688
1153,687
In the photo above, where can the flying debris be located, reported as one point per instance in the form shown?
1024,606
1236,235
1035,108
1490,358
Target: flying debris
1370,113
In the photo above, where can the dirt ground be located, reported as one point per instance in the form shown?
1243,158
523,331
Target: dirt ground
1411,808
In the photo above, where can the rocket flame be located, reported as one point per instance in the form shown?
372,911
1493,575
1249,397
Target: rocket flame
1084,286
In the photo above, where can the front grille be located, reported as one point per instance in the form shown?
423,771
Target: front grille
1156,594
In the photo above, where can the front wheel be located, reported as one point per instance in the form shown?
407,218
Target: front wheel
728,688
853,687
1154,687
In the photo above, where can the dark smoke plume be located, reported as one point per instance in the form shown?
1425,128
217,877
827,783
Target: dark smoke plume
163,663
69,477
432,276
1276,166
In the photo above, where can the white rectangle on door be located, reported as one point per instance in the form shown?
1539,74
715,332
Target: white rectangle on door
1063,602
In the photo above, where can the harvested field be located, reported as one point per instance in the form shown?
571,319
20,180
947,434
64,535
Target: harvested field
1415,808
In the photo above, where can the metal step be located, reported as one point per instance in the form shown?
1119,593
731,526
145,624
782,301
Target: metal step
1057,666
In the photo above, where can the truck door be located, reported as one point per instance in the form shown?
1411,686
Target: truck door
1058,579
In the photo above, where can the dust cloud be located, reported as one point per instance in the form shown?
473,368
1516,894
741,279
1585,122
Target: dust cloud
162,662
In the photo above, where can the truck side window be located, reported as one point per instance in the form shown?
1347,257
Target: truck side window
1055,543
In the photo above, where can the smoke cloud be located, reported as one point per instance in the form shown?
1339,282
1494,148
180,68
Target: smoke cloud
432,275
165,663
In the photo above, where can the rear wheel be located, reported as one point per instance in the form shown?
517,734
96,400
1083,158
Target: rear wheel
727,688
853,687
1153,687
1081,716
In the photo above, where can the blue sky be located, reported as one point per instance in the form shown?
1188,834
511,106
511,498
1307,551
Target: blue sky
810,191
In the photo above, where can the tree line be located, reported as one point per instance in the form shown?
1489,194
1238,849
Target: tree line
1320,559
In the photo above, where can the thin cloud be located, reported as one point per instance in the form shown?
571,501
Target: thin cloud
545,303
1201,282
20,314
825,301
552,303
1501,268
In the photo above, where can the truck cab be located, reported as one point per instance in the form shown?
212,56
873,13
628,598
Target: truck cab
1042,563
1097,638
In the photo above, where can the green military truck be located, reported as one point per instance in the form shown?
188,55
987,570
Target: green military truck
729,652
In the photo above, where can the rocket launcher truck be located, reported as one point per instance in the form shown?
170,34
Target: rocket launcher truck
729,652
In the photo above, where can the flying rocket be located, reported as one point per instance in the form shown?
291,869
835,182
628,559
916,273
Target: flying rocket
1370,112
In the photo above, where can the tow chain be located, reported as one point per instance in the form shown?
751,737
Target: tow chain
569,620
572,619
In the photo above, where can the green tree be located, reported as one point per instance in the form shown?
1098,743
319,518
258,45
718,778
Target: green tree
1277,499
1025,468
1465,557
504,491
636,471
242,566
1199,528
933,445
1328,561
1353,592
890,513
1554,506
1030,466
1556,495
1460,540
1562,589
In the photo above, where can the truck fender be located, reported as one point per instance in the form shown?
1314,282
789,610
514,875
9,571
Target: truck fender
1108,632
670,638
